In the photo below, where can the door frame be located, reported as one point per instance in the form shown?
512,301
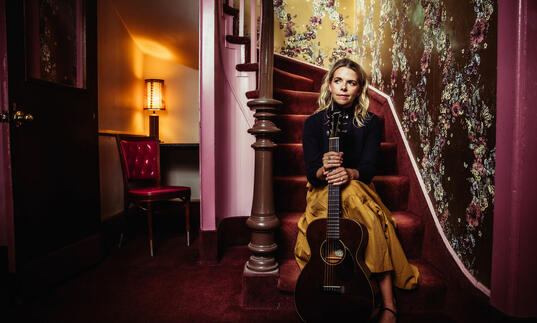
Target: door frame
7,234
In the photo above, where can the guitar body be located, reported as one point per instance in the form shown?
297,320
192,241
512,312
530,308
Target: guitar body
335,284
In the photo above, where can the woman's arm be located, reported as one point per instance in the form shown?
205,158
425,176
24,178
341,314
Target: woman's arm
313,154
367,166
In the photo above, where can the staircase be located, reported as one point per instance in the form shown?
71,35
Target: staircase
299,95
297,85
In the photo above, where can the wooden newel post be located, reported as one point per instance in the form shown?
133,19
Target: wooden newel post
263,220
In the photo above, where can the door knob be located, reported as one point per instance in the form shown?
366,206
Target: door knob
19,117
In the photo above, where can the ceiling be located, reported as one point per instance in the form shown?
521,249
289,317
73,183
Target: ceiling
167,27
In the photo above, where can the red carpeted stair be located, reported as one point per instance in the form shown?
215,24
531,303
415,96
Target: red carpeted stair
297,86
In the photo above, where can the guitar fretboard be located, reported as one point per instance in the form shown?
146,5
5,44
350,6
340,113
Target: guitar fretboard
332,229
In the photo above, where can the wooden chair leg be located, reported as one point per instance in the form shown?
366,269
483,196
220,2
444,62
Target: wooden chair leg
150,227
123,223
123,228
187,220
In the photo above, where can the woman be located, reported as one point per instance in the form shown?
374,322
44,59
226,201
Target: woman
345,88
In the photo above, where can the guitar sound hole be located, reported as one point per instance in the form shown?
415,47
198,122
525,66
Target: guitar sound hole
333,251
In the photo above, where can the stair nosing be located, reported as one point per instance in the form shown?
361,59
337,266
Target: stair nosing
229,10
238,40
293,75
246,67
295,91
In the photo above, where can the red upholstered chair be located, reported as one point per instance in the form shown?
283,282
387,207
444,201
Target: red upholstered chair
140,162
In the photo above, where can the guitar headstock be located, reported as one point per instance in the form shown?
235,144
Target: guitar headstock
338,123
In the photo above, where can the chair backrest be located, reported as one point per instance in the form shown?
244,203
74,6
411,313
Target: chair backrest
140,158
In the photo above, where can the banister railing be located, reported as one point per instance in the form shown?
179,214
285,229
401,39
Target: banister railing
263,220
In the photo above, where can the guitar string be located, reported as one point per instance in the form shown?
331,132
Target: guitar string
333,222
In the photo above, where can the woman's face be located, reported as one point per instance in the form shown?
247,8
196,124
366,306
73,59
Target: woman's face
344,86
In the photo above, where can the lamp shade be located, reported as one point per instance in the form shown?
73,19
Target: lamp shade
154,95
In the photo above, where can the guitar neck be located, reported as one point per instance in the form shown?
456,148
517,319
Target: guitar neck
334,200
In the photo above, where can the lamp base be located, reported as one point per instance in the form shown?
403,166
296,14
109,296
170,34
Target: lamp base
153,126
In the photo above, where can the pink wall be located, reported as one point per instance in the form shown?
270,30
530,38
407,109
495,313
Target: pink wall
514,262
207,122
226,156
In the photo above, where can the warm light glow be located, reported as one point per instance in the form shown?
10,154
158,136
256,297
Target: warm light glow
137,62
154,95
153,48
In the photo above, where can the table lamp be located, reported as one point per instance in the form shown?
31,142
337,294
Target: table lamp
154,100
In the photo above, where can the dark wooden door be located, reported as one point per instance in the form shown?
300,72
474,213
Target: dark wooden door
52,88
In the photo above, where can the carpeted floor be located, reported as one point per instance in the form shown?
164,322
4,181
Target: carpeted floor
130,286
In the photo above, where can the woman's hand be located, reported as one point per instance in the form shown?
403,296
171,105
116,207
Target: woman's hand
337,176
332,171
332,159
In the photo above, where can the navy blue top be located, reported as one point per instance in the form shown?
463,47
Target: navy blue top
360,145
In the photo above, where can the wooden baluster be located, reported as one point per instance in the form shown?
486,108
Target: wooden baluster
253,31
263,220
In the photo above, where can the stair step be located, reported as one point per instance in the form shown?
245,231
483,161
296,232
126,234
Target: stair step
297,67
290,192
393,190
383,129
430,294
294,102
289,272
287,233
246,67
289,158
228,10
297,102
253,94
241,40
290,81
428,297
387,160
282,79
291,125
409,231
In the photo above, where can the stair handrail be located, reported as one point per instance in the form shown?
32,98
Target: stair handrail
263,220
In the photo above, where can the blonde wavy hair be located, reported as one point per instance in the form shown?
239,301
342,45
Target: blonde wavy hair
361,103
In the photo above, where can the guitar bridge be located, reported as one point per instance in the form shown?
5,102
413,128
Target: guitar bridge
333,289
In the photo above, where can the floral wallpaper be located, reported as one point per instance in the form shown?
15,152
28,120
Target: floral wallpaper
437,60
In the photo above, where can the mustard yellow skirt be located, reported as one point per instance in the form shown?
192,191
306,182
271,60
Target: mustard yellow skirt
361,203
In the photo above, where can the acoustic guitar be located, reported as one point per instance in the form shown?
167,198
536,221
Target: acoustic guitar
336,285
